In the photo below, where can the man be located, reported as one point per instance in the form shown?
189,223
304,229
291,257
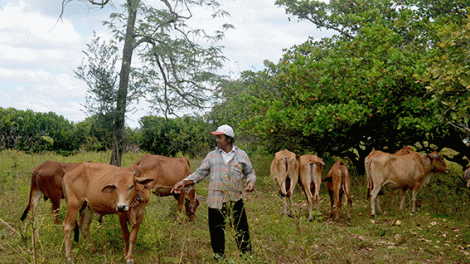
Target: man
231,172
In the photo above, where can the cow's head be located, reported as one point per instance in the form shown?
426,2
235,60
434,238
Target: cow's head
191,201
437,162
127,186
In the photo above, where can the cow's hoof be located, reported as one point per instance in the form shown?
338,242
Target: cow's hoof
130,261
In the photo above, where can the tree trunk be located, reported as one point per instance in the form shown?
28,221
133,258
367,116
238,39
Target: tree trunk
119,123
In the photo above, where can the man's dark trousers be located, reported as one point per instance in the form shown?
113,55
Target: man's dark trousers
233,213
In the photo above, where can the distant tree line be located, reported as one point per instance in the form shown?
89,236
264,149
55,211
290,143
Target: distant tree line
36,132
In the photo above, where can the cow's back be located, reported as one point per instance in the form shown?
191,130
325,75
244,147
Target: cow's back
280,162
396,171
165,171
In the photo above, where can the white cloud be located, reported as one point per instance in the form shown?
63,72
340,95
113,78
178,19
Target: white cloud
37,59
38,53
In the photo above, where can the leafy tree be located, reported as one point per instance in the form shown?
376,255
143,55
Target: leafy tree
177,70
236,101
360,90
30,131
170,137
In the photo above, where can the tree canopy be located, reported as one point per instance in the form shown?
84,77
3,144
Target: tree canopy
395,74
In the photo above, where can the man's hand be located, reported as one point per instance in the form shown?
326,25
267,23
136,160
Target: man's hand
250,186
180,185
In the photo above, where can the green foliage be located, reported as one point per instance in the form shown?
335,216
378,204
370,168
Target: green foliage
31,131
168,137
378,84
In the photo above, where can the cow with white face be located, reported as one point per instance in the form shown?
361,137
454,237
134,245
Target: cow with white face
104,189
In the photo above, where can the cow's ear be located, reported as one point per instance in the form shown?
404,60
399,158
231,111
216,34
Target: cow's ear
145,181
109,189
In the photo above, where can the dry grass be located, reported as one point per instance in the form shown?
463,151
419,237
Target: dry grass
438,233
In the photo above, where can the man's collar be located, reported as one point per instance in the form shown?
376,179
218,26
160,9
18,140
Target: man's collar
234,148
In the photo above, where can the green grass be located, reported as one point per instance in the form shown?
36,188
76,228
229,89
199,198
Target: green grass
437,233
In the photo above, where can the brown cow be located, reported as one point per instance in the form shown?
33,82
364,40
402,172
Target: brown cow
408,171
405,150
46,181
285,171
466,176
104,189
339,183
310,168
166,172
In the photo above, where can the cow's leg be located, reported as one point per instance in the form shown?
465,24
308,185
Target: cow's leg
402,198
55,209
332,199
317,192
373,197
129,254
180,198
86,216
68,225
338,198
308,193
289,203
348,199
292,184
123,217
413,200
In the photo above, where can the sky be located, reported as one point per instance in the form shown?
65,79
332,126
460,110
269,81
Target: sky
40,52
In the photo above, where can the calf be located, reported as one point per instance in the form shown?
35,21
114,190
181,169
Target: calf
166,172
104,189
285,171
310,168
338,183
46,181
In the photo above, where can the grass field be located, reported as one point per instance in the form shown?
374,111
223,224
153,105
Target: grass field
437,233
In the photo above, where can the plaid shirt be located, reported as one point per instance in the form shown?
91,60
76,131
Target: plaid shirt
227,181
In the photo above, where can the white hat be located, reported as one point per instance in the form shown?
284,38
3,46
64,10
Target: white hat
224,129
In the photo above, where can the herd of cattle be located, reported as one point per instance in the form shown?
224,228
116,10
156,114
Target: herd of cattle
405,169
98,188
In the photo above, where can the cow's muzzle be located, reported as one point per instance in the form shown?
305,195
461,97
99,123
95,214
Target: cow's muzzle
122,208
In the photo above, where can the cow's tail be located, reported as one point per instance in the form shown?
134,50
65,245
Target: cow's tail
31,193
25,213
284,184
344,174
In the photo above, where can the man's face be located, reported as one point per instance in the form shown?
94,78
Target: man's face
222,141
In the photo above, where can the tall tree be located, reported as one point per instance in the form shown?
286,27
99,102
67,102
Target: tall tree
176,69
